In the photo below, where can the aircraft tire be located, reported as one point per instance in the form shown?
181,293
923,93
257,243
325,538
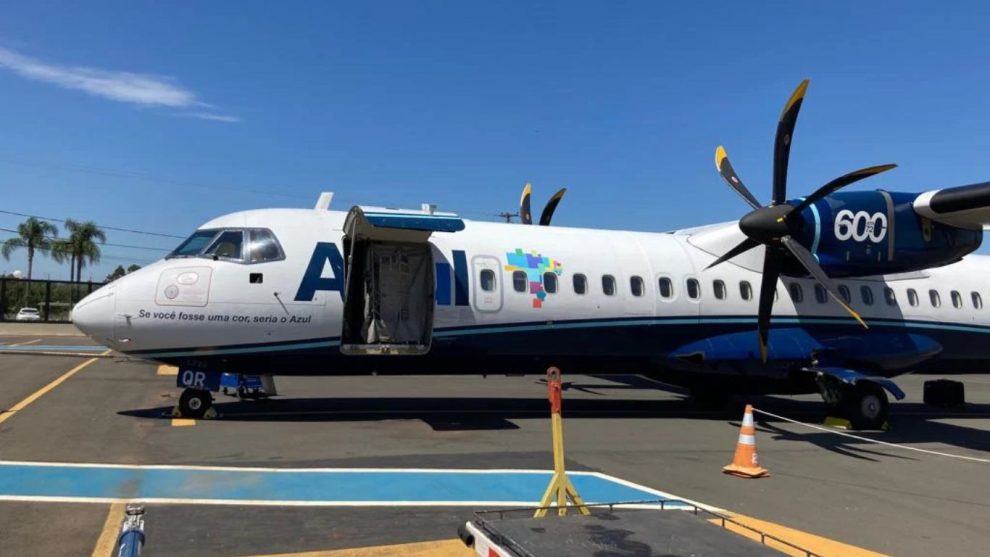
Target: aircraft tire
194,403
866,406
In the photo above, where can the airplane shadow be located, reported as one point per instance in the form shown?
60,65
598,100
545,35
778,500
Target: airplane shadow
912,423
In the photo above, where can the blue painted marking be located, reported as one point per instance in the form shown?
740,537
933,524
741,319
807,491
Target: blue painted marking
460,278
55,348
302,486
818,231
443,284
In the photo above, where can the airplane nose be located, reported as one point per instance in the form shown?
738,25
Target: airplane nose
94,314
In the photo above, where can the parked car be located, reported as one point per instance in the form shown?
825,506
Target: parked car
28,314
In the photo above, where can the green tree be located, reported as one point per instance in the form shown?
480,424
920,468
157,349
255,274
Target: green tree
133,267
83,237
62,252
32,234
117,273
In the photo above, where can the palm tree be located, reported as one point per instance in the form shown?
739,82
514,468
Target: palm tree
32,234
62,252
82,239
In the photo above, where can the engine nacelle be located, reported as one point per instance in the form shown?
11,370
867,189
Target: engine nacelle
878,232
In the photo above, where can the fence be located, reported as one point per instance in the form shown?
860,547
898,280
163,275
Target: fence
53,298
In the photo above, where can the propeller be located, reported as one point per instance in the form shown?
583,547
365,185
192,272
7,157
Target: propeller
526,215
775,224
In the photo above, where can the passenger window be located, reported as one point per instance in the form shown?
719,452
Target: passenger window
519,281
977,300
666,287
718,287
935,298
580,284
693,289
844,292
550,282
487,280
912,297
745,290
821,295
867,293
956,299
636,286
889,296
228,245
797,294
262,247
608,285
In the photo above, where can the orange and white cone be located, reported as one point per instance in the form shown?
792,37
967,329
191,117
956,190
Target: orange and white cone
746,464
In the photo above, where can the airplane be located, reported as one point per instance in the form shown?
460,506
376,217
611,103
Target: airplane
376,290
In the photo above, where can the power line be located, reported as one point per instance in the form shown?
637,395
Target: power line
128,246
141,176
114,228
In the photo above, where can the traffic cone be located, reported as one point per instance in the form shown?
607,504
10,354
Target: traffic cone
746,464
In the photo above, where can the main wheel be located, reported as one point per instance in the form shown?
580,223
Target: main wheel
194,403
866,406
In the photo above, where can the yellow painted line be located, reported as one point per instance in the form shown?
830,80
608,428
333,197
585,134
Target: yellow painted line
182,422
816,544
41,392
167,370
27,342
439,548
111,528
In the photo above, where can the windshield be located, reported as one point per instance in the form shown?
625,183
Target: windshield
194,244
242,245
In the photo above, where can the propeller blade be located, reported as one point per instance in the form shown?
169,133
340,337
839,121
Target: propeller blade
808,262
728,174
525,216
743,247
551,206
782,143
768,288
841,182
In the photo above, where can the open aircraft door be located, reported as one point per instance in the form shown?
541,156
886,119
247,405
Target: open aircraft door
389,293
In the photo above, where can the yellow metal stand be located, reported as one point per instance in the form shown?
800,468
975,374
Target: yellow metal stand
560,487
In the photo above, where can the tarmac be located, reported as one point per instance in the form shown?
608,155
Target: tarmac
335,464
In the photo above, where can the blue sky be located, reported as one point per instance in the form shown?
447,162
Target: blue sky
158,116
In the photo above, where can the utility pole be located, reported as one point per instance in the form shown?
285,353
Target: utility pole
508,216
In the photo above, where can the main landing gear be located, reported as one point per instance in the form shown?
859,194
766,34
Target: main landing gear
863,403
194,403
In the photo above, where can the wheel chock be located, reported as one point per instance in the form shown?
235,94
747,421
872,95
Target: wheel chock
837,423
210,414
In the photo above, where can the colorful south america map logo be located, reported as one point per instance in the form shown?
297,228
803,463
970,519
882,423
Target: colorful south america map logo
534,265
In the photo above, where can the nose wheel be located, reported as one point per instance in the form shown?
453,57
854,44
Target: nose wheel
194,403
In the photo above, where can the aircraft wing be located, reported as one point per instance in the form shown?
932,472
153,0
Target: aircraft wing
963,206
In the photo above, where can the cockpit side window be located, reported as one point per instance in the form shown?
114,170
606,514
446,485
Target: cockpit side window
228,245
194,244
262,246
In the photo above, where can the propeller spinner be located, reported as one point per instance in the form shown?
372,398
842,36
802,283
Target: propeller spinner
775,225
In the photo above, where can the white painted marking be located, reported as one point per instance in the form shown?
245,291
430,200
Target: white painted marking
877,441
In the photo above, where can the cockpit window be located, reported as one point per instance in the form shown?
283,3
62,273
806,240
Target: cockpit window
194,244
262,246
247,245
227,245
